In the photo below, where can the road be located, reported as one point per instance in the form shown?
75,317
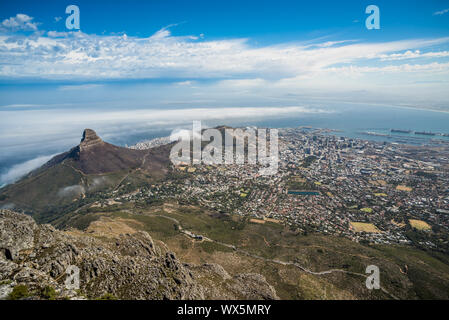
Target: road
276,261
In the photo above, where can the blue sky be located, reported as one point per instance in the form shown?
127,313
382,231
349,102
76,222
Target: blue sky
262,20
242,25
137,63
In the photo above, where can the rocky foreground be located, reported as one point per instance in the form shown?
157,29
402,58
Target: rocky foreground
122,266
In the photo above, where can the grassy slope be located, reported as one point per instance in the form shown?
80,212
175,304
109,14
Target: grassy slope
36,191
427,276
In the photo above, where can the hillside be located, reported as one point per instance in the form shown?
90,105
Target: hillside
90,167
298,266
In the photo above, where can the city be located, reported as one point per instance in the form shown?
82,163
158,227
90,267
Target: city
366,191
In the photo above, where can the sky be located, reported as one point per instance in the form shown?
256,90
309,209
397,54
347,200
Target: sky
137,63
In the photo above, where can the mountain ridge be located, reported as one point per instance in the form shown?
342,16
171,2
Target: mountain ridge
76,170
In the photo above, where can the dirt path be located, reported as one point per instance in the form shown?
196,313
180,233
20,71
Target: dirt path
283,263
287,263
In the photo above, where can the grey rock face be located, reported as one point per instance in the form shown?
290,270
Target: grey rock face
128,266
16,234
253,286
90,138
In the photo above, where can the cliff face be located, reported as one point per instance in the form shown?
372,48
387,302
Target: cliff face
128,266
90,139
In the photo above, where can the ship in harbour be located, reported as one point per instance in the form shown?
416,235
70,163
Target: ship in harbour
424,133
401,131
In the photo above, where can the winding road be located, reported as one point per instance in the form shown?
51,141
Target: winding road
283,263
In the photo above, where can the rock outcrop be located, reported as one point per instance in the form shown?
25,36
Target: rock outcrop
89,139
127,266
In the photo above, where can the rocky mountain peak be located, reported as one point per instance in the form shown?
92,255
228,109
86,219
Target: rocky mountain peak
90,138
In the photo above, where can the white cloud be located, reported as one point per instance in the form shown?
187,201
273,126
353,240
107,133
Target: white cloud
50,125
98,182
80,87
21,105
21,22
440,13
71,191
185,83
409,68
413,55
19,170
242,70
57,34
333,43
76,55
183,134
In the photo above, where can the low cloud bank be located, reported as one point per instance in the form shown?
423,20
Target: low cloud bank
71,191
98,183
19,170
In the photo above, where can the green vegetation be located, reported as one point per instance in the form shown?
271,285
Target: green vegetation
155,224
5,282
44,187
107,296
19,292
82,221
314,251
48,293
308,161
301,185
211,247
